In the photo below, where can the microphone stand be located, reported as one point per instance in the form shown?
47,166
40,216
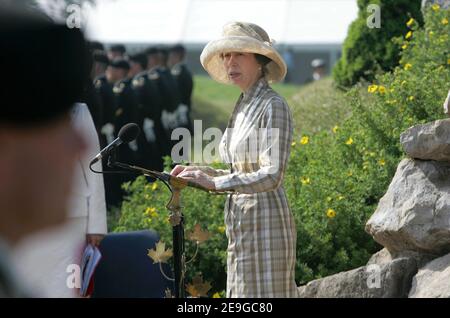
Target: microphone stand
176,217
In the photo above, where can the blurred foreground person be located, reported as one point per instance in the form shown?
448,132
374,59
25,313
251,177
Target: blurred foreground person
39,145
50,260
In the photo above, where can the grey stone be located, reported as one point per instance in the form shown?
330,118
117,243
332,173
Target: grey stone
433,280
414,214
391,280
429,141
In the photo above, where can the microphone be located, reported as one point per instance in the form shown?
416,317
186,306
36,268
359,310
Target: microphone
127,133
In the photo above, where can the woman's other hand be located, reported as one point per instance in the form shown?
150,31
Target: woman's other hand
198,177
180,168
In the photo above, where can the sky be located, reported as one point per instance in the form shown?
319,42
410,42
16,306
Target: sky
199,21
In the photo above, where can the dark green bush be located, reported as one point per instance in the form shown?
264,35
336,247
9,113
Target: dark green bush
370,51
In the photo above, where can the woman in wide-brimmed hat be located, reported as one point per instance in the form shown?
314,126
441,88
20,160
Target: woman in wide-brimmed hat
260,227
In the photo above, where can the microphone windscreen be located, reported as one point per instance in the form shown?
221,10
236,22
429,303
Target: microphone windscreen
129,132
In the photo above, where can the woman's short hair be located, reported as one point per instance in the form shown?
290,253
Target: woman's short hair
261,59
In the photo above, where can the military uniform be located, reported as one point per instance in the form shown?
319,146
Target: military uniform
183,77
168,88
104,90
125,111
149,107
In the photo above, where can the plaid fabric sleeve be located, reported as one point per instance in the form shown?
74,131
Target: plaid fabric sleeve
273,156
214,172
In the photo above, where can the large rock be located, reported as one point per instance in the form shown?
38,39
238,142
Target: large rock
383,257
391,280
429,141
433,280
414,214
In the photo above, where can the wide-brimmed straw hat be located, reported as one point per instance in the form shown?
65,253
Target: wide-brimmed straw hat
242,37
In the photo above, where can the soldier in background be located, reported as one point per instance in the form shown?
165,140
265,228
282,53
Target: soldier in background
125,111
168,90
117,51
185,84
148,113
96,46
101,62
91,96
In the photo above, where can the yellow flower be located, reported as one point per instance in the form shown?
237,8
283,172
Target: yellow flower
392,101
216,295
335,128
221,229
293,143
411,98
151,212
305,180
408,35
407,66
410,22
444,21
435,7
154,186
382,89
331,213
405,46
381,162
372,88
349,141
304,140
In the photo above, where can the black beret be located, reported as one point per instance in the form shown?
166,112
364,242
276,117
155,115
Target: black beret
118,48
44,65
178,48
100,56
139,58
152,50
95,45
120,63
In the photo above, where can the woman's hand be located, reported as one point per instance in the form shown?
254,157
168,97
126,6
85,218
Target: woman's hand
94,239
180,168
198,177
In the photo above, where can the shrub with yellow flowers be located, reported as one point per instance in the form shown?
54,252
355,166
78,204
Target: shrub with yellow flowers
351,166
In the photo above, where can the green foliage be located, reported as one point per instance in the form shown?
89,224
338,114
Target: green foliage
369,51
348,168
335,176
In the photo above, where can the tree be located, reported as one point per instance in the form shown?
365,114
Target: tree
369,50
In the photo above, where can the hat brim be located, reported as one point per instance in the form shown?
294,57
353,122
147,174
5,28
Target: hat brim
213,64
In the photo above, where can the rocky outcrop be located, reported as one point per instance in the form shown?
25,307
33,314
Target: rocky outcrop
433,280
414,214
390,280
430,141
